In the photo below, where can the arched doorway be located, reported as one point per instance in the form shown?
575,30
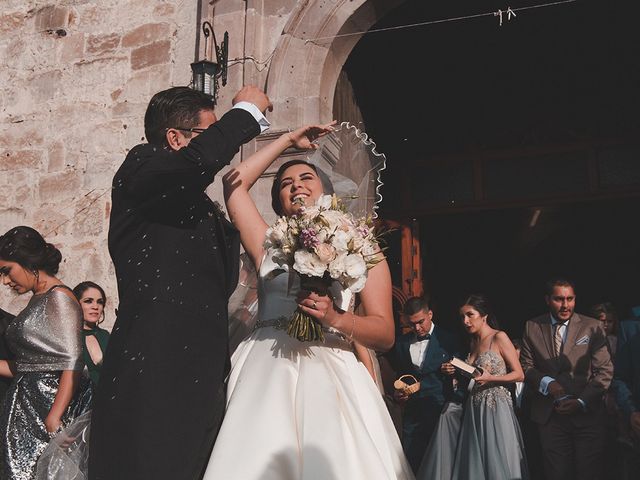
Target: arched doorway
528,128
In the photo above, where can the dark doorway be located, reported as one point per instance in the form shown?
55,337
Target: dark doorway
509,255
443,100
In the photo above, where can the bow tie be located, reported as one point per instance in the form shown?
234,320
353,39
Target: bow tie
423,337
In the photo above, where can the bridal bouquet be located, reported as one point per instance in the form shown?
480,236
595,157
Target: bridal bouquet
324,244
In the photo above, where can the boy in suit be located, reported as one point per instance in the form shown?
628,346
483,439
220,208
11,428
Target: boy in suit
421,353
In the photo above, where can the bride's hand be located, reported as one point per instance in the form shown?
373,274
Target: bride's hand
303,137
318,306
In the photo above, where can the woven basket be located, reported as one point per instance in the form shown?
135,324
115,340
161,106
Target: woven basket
407,388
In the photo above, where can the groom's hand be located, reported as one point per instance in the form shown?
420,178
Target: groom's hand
252,94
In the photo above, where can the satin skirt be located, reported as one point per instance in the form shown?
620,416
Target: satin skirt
303,411
490,446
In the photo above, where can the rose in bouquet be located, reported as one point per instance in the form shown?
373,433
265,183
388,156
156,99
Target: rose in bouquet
325,245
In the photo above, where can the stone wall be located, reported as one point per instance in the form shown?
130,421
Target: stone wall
74,84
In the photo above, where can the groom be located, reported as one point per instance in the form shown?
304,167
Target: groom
161,398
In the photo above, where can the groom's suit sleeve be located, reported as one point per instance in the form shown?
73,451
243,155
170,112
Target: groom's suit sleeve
153,171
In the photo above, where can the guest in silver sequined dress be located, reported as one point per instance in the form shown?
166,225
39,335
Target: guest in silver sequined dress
487,441
46,339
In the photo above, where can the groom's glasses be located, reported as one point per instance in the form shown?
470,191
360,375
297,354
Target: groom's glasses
193,130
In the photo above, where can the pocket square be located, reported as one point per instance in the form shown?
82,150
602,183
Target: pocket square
583,340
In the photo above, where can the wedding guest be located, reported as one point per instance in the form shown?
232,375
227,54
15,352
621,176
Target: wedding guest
567,364
488,411
46,340
176,262
629,327
626,386
606,313
5,319
92,300
421,353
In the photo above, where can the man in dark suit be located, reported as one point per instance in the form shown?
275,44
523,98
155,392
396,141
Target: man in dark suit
567,364
161,396
421,353
5,319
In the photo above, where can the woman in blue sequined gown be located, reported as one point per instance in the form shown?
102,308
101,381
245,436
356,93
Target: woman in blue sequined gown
488,443
303,410
46,340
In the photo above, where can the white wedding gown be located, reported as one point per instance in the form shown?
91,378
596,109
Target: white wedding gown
301,410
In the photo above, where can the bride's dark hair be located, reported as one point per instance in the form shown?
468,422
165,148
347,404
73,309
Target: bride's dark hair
275,187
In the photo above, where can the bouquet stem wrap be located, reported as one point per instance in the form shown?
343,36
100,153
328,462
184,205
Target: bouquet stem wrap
303,326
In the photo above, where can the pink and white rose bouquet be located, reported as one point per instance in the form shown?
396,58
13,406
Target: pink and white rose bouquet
325,245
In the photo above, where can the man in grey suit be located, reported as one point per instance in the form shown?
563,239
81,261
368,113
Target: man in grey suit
567,364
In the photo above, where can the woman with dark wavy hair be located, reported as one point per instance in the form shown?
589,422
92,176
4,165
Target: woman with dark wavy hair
92,300
46,341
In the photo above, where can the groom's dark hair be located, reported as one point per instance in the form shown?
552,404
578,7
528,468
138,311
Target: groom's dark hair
176,107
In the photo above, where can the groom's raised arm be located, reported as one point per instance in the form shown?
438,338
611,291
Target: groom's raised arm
153,170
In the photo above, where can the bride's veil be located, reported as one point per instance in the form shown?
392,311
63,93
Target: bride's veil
349,166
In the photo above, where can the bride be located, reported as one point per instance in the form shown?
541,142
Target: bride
303,410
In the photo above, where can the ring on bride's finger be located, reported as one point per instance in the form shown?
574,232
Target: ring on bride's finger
315,307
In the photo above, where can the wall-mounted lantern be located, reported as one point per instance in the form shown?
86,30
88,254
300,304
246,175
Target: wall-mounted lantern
206,72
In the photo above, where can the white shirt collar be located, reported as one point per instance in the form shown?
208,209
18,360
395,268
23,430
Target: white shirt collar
554,321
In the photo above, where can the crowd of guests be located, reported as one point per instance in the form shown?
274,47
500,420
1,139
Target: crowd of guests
549,406
562,402
50,353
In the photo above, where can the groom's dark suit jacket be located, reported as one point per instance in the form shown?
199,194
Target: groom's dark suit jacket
161,395
422,410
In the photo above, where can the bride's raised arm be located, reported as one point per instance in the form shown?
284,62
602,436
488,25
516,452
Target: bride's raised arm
242,209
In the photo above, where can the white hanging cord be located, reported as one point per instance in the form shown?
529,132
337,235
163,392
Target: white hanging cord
511,13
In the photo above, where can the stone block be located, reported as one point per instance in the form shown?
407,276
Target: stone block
102,44
22,135
71,48
56,157
163,10
50,220
24,195
153,54
11,217
11,22
51,18
45,86
88,218
159,79
56,186
17,159
145,34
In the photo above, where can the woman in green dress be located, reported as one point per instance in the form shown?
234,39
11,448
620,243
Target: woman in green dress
92,300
